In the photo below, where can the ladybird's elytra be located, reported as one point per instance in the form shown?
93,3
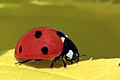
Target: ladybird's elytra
46,43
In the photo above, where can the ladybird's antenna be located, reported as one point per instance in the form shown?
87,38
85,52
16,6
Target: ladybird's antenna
82,55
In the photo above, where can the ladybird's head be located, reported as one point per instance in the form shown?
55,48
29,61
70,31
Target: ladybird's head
72,56
75,57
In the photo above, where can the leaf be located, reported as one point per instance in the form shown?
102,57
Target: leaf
99,69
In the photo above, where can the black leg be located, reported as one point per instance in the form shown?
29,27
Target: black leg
74,60
52,64
71,61
55,60
77,60
37,60
22,62
64,63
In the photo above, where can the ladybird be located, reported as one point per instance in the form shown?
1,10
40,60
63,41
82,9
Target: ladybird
45,43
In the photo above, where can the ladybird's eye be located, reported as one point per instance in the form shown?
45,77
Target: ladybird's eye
44,50
38,34
20,49
60,34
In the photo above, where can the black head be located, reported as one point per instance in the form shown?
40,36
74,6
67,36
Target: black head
76,57
72,56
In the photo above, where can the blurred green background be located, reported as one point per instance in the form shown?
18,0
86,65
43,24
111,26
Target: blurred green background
93,25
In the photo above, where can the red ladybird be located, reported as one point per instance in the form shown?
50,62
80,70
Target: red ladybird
46,43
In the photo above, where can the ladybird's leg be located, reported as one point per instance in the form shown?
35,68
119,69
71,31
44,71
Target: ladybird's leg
74,60
52,63
37,60
64,62
54,60
77,60
22,62
71,61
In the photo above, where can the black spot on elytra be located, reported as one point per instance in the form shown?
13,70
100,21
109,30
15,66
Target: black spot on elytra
44,50
38,34
20,49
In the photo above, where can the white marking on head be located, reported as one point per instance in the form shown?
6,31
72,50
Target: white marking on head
70,54
63,39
